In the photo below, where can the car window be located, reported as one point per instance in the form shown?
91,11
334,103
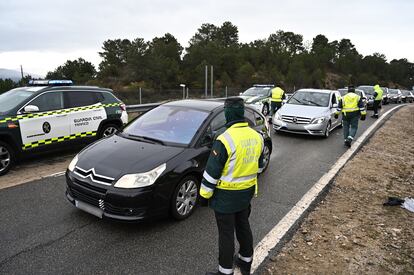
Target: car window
333,100
218,122
81,98
258,119
250,118
171,124
48,101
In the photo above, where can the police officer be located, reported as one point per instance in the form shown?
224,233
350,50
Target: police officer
378,92
276,101
353,109
229,183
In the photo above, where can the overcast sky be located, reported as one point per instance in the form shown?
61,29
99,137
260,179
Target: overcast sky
43,34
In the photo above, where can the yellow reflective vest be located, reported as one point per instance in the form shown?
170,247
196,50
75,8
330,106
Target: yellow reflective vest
244,147
379,92
350,103
277,94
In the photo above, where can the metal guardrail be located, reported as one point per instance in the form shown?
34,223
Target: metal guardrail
141,107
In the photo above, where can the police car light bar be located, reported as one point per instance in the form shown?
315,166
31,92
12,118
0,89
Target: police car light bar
50,82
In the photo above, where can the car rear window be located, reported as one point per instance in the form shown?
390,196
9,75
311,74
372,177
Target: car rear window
82,98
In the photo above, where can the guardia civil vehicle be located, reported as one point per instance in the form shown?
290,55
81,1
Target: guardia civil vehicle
53,114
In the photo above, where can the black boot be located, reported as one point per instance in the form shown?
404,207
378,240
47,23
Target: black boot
245,267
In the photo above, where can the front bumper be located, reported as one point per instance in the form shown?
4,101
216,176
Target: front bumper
305,129
107,202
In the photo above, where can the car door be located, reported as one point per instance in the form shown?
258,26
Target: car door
86,114
47,126
335,96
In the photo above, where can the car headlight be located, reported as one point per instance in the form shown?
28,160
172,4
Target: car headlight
141,179
318,120
72,164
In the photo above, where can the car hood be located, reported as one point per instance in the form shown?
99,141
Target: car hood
116,156
252,99
303,111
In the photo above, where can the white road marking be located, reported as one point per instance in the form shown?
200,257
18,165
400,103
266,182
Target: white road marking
54,175
262,249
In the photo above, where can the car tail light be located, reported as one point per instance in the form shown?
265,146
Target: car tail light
123,107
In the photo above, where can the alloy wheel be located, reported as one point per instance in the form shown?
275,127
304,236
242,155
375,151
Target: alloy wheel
109,131
186,197
4,158
328,129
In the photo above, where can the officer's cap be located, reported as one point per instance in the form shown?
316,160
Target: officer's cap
234,102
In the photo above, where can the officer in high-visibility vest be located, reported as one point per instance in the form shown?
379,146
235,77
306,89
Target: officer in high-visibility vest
230,182
276,101
353,109
378,92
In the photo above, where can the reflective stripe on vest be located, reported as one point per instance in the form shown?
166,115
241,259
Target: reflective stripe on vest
277,94
350,103
244,147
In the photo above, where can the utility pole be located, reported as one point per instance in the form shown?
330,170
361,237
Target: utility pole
140,95
211,78
21,71
206,84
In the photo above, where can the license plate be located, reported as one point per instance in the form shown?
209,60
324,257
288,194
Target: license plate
89,209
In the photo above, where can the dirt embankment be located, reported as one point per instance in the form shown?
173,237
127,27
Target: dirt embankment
350,231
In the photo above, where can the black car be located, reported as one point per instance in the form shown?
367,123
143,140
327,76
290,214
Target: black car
49,115
155,165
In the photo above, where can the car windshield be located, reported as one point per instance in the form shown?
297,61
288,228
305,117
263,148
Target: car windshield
256,91
393,91
343,91
13,98
310,98
167,124
369,90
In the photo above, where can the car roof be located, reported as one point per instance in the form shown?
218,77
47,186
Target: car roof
40,89
316,90
201,104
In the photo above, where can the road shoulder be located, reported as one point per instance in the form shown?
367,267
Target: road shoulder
350,231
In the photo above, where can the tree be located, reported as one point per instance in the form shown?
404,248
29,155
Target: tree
80,71
6,85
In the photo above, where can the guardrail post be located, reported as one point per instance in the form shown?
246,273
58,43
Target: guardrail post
226,91
140,102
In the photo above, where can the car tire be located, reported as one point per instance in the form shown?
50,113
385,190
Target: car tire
7,158
267,151
327,130
265,110
108,130
185,198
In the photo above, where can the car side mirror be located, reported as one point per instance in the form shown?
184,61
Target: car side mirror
207,140
31,109
335,105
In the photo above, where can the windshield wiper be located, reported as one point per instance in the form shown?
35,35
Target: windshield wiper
144,138
300,102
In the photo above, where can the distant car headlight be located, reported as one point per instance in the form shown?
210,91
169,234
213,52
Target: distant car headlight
72,164
141,179
318,120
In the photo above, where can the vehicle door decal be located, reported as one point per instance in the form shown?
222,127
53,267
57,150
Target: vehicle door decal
58,139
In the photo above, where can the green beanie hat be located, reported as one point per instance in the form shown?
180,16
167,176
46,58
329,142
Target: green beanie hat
234,109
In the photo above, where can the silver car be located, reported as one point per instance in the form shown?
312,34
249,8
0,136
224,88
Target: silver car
309,111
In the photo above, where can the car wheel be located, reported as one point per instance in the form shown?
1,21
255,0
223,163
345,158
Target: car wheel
327,130
185,198
108,130
7,158
266,156
265,110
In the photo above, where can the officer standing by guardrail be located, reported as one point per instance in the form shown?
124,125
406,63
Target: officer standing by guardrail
276,101
378,92
229,183
353,109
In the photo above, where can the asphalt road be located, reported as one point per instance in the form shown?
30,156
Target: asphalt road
42,233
